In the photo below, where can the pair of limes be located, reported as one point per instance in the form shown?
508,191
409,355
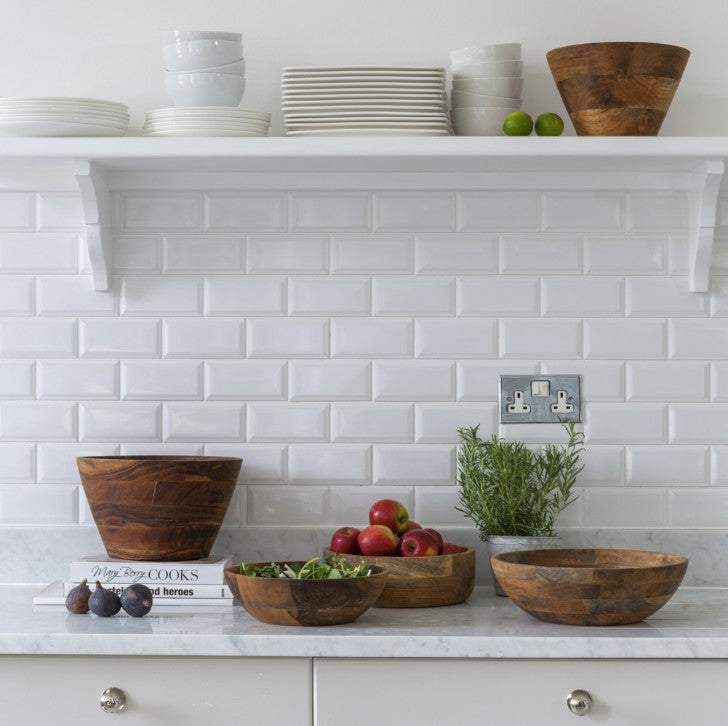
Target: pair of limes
519,123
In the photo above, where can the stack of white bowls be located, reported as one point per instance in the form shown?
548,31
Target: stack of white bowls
487,82
203,68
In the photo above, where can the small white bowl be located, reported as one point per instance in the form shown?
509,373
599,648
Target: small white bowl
460,99
499,69
234,69
479,121
486,53
204,89
192,55
180,36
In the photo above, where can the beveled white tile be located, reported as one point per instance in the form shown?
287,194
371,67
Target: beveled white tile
245,380
436,506
618,423
372,254
39,504
664,297
540,254
698,508
622,507
57,462
73,295
624,339
719,260
265,463
136,254
120,422
38,253
17,295
667,381
678,254
203,421
198,253
202,338
667,464
156,211
328,296
413,296
296,253
288,505
719,465
369,422
718,297
580,211
78,379
288,422
58,211
413,380
718,379
244,211
415,464
113,338
364,338
18,463
600,380
582,297
350,504
642,255
39,338
161,296
34,421
17,211
414,211
694,423
698,339
438,423
550,433
186,449
329,211
449,338
329,380
480,380
160,380
456,254
658,210
540,338
329,464
498,296
237,511
245,296
274,338
17,379
602,465
498,210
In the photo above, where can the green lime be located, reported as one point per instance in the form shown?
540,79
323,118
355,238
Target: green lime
549,124
518,123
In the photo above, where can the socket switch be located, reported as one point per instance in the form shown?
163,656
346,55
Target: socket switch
540,399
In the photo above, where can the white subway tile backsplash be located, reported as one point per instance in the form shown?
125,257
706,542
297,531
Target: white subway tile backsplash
480,380
421,464
330,464
38,253
719,465
570,211
42,338
329,211
287,338
667,381
698,339
163,212
39,505
718,379
643,255
18,463
718,297
540,254
38,421
603,465
456,254
17,211
245,295
498,296
658,211
245,380
160,380
198,338
197,253
262,463
413,296
498,210
692,423
288,422
678,254
244,211
57,462
582,297
120,421
328,296
699,507
540,338
600,380
436,506
448,338
624,339
350,504
69,295
186,449
203,421
667,464
363,422
272,254
414,211
550,433
58,212
617,423
17,295
161,296
372,254
114,338
371,338
413,380
288,505
136,254
622,507
77,380
17,379
664,297
329,380
438,423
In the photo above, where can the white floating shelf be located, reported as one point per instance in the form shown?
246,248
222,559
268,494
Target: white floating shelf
701,160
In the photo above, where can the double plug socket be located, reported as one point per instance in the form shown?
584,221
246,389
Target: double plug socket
540,399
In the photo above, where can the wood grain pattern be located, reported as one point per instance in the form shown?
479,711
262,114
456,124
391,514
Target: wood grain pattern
305,602
158,507
421,582
617,89
589,586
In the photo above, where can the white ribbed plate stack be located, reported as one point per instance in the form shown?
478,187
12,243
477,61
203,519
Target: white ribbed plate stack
206,121
364,101
62,116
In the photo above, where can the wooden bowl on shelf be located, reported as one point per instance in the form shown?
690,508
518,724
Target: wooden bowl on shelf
305,602
589,586
158,507
617,89
421,582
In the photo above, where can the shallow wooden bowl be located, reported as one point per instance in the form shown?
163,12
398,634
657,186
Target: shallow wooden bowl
421,582
589,586
617,89
305,602
158,507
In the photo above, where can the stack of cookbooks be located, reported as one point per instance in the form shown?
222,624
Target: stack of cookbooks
194,583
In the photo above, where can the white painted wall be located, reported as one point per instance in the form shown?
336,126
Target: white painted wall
110,48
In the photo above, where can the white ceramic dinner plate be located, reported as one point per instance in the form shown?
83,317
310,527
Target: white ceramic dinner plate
394,115
364,69
384,96
370,86
370,132
56,128
55,100
57,118
202,127
362,78
367,123
204,133
209,112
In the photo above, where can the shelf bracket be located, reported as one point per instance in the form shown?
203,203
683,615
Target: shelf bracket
96,201
704,185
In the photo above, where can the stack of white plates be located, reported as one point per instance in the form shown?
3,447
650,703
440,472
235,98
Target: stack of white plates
42,116
206,121
365,101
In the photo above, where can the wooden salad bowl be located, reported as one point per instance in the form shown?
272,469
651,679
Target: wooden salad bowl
589,586
617,89
421,582
158,507
305,602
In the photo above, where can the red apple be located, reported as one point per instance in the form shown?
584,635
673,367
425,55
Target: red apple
448,548
438,538
391,514
413,525
344,541
377,540
418,543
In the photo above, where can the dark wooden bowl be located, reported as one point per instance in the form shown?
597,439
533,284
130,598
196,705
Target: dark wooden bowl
589,587
158,507
421,582
617,89
305,602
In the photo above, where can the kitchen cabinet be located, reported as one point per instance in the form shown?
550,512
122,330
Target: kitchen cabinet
517,692
162,691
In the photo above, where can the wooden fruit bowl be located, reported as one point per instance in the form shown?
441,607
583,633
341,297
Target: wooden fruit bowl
305,602
421,582
589,586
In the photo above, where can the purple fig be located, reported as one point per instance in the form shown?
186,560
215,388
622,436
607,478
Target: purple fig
77,598
137,600
103,602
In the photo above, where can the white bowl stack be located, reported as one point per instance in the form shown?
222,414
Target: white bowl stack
365,101
487,83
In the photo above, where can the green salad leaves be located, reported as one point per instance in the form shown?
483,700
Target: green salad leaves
318,568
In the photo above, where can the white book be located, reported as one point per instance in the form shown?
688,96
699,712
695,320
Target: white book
160,591
207,571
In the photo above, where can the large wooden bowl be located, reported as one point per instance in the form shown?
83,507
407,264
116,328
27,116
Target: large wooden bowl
617,89
589,586
421,582
305,602
158,507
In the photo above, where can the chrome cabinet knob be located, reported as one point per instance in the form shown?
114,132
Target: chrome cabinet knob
579,702
112,700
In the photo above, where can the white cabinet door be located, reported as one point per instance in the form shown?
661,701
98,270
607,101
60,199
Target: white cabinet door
65,690
517,692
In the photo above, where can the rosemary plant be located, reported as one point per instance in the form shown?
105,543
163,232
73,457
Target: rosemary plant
508,489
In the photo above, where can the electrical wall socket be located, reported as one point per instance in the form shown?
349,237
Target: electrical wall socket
540,399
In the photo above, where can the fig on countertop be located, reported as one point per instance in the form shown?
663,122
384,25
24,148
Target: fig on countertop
137,600
77,598
103,602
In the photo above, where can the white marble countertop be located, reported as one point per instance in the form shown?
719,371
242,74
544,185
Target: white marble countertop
694,624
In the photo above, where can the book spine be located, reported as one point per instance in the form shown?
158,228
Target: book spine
167,592
181,575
